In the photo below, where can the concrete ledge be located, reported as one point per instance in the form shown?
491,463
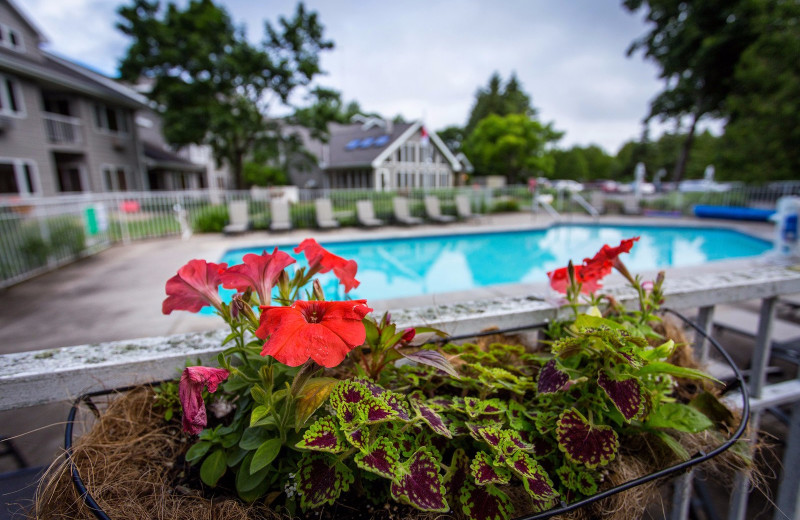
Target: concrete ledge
44,376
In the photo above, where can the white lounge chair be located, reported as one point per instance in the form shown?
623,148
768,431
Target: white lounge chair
463,207
366,214
401,212
434,212
279,215
238,217
324,214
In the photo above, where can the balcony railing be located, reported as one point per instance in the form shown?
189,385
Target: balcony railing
62,129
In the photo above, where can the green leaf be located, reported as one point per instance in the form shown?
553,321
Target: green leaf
585,321
678,417
245,481
197,451
259,395
265,454
672,443
660,352
254,437
168,414
279,396
230,337
372,331
313,394
260,416
425,330
235,456
661,367
213,468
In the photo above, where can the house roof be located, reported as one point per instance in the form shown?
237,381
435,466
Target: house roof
157,157
27,21
61,73
353,145
368,144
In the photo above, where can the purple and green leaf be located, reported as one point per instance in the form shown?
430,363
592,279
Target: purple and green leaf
484,471
626,394
577,479
485,503
397,403
551,378
358,437
431,418
585,443
432,358
323,435
536,480
321,479
381,458
456,477
418,483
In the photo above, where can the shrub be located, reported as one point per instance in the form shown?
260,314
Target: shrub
211,219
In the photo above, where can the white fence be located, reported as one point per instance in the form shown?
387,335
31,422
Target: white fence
40,234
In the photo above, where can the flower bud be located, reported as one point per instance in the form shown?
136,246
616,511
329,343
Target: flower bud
408,334
317,291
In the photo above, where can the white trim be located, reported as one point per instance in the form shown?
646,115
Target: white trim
113,169
14,83
6,31
19,175
28,20
396,144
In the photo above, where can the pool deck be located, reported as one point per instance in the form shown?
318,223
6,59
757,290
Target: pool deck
117,294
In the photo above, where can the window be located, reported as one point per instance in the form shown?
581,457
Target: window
10,38
11,97
69,177
116,177
110,120
17,177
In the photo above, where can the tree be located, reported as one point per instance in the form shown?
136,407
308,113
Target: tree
452,136
570,164
212,86
697,44
762,137
514,145
499,100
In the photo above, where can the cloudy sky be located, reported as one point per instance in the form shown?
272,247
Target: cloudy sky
426,58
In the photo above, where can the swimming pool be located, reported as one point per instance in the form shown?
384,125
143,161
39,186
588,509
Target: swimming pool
395,268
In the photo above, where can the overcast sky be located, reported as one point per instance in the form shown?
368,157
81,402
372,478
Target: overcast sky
426,58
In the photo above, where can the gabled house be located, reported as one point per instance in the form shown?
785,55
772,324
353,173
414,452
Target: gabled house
375,154
67,129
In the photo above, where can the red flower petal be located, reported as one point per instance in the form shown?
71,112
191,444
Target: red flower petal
190,391
257,271
320,330
194,287
322,261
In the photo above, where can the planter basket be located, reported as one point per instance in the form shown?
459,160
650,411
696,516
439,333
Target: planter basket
563,508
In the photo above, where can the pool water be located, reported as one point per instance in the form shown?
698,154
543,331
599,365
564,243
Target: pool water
395,268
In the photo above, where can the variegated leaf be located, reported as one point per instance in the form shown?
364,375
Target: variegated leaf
419,484
323,435
381,458
321,478
551,378
431,418
583,442
626,394
485,503
485,472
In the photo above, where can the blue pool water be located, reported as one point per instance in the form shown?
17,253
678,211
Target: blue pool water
394,268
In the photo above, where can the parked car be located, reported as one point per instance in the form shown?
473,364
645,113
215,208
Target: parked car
568,185
702,185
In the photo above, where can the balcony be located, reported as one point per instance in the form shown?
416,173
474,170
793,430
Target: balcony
62,129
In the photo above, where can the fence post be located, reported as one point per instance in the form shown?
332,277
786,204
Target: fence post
705,319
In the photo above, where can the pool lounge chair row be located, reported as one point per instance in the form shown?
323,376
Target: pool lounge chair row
365,213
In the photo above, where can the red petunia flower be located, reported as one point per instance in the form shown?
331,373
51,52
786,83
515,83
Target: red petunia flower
320,330
190,391
592,270
257,271
590,281
195,286
322,261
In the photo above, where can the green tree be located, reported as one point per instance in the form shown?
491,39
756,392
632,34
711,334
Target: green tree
499,100
214,86
514,145
453,136
698,45
570,164
762,137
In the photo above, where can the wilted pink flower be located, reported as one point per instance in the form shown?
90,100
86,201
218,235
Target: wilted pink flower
190,391
257,271
647,286
195,286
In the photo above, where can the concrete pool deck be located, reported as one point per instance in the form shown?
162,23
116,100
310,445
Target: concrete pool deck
117,294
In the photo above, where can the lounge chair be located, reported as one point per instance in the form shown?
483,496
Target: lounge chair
366,214
324,213
279,215
434,212
238,217
463,207
401,212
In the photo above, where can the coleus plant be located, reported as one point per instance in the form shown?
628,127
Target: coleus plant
320,406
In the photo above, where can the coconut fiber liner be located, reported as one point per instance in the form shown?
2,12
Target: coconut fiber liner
131,462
